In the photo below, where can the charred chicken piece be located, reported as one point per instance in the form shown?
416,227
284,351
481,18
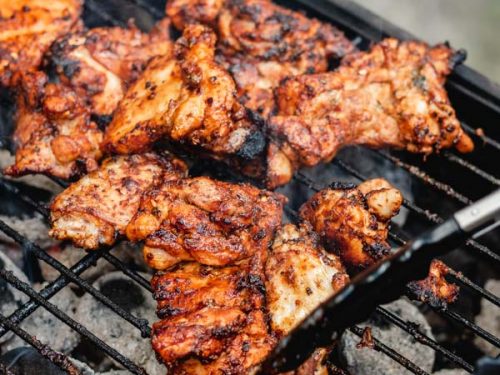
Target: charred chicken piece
213,222
353,221
262,43
54,134
187,99
95,210
435,289
185,12
390,96
300,275
28,28
213,318
99,64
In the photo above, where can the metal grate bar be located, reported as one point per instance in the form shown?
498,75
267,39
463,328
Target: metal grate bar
413,329
488,140
95,9
54,310
471,167
57,358
464,280
468,324
141,324
133,275
154,11
380,347
51,289
11,188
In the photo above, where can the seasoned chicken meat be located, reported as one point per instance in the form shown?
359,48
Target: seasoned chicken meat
353,221
95,210
390,96
261,43
435,289
188,99
300,275
54,134
212,222
99,64
213,318
27,29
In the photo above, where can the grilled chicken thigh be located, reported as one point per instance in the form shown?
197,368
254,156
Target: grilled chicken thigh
390,96
353,221
27,29
99,64
261,43
54,134
212,222
213,319
95,210
300,275
188,99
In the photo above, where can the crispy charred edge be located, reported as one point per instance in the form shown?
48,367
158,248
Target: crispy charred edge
435,289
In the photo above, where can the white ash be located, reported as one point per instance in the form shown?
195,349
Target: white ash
116,331
86,370
367,361
451,372
489,319
10,297
47,328
36,180
33,228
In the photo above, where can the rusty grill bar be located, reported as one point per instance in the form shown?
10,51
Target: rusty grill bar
355,22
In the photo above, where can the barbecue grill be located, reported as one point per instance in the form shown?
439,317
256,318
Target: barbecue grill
439,185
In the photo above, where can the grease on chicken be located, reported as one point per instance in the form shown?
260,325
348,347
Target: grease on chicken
390,96
27,29
213,318
435,289
212,222
353,221
188,99
102,62
95,210
54,133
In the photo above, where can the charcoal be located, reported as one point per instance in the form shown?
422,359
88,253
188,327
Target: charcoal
489,319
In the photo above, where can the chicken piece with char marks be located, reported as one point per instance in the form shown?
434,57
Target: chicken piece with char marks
390,96
95,210
54,133
28,28
188,99
300,275
99,64
212,222
353,221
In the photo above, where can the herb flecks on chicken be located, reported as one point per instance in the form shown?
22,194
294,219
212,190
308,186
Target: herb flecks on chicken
188,99
100,64
212,222
95,210
54,133
353,221
27,29
391,96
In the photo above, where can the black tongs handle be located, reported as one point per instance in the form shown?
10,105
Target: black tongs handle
379,284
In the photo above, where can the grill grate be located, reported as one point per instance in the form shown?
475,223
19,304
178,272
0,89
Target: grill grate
355,22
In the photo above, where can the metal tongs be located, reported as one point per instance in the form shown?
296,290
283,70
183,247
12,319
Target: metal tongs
381,283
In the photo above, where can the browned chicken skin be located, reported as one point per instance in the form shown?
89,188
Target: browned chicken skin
95,210
353,221
27,29
212,222
188,99
435,289
390,96
100,63
54,134
261,43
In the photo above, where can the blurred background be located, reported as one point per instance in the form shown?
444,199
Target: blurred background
470,24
